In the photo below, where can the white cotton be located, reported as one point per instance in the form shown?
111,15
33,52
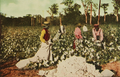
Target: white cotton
93,39
62,28
112,34
118,47
107,73
85,28
56,37
41,72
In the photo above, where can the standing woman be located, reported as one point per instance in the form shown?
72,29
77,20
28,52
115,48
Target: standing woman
44,52
77,34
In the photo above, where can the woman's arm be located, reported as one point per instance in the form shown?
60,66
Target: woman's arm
93,32
101,35
42,36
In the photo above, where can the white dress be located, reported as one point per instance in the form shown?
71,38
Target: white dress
44,53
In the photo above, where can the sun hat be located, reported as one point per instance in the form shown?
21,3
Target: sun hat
79,25
45,23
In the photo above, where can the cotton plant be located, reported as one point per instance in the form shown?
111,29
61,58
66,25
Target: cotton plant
24,43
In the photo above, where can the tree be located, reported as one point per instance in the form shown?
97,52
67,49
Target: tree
93,7
104,6
99,11
85,4
72,12
68,3
116,5
53,10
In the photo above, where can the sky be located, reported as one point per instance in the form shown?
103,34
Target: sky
19,8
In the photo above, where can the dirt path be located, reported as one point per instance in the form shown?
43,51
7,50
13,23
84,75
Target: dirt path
112,66
9,69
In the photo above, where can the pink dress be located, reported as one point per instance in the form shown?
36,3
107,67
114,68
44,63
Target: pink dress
77,33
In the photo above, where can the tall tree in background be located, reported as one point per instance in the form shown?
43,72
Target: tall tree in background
53,10
85,4
99,12
67,3
93,7
104,6
72,12
116,5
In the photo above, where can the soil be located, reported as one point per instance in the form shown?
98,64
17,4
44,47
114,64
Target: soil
114,66
8,69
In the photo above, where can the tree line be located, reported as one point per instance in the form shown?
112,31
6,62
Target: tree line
72,14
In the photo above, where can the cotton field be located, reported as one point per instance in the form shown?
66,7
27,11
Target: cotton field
23,42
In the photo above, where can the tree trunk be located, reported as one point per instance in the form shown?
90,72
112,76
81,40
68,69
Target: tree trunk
86,17
99,11
32,21
104,18
41,20
60,21
0,31
91,14
85,9
117,16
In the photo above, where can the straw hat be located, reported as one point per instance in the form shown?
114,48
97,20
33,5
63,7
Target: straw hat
79,25
45,23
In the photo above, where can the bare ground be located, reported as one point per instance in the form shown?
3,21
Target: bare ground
8,69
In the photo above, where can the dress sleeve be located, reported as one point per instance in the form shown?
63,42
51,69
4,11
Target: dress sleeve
94,33
42,36
101,35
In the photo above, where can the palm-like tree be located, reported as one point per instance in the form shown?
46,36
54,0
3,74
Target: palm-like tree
93,7
53,9
67,3
99,11
104,6
85,4
116,5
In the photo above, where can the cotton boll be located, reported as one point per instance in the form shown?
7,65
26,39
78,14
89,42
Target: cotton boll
118,47
62,57
98,44
111,48
85,28
55,59
93,39
112,34
111,43
92,50
41,72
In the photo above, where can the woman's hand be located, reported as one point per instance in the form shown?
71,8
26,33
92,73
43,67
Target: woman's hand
47,42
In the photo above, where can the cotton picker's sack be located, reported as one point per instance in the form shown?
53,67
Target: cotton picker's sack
22,63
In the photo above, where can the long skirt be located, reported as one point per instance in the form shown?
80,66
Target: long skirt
44,53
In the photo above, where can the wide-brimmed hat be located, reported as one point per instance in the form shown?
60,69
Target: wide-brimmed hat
96,25
79,25
45,23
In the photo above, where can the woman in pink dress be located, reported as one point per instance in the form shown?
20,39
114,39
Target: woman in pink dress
77,34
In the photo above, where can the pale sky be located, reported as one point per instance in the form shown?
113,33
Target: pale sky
19,8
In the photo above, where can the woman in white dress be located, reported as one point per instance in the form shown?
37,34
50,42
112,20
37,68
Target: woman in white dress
44,52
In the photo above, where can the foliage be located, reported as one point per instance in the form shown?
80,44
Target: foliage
24,42
104,6
54,8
